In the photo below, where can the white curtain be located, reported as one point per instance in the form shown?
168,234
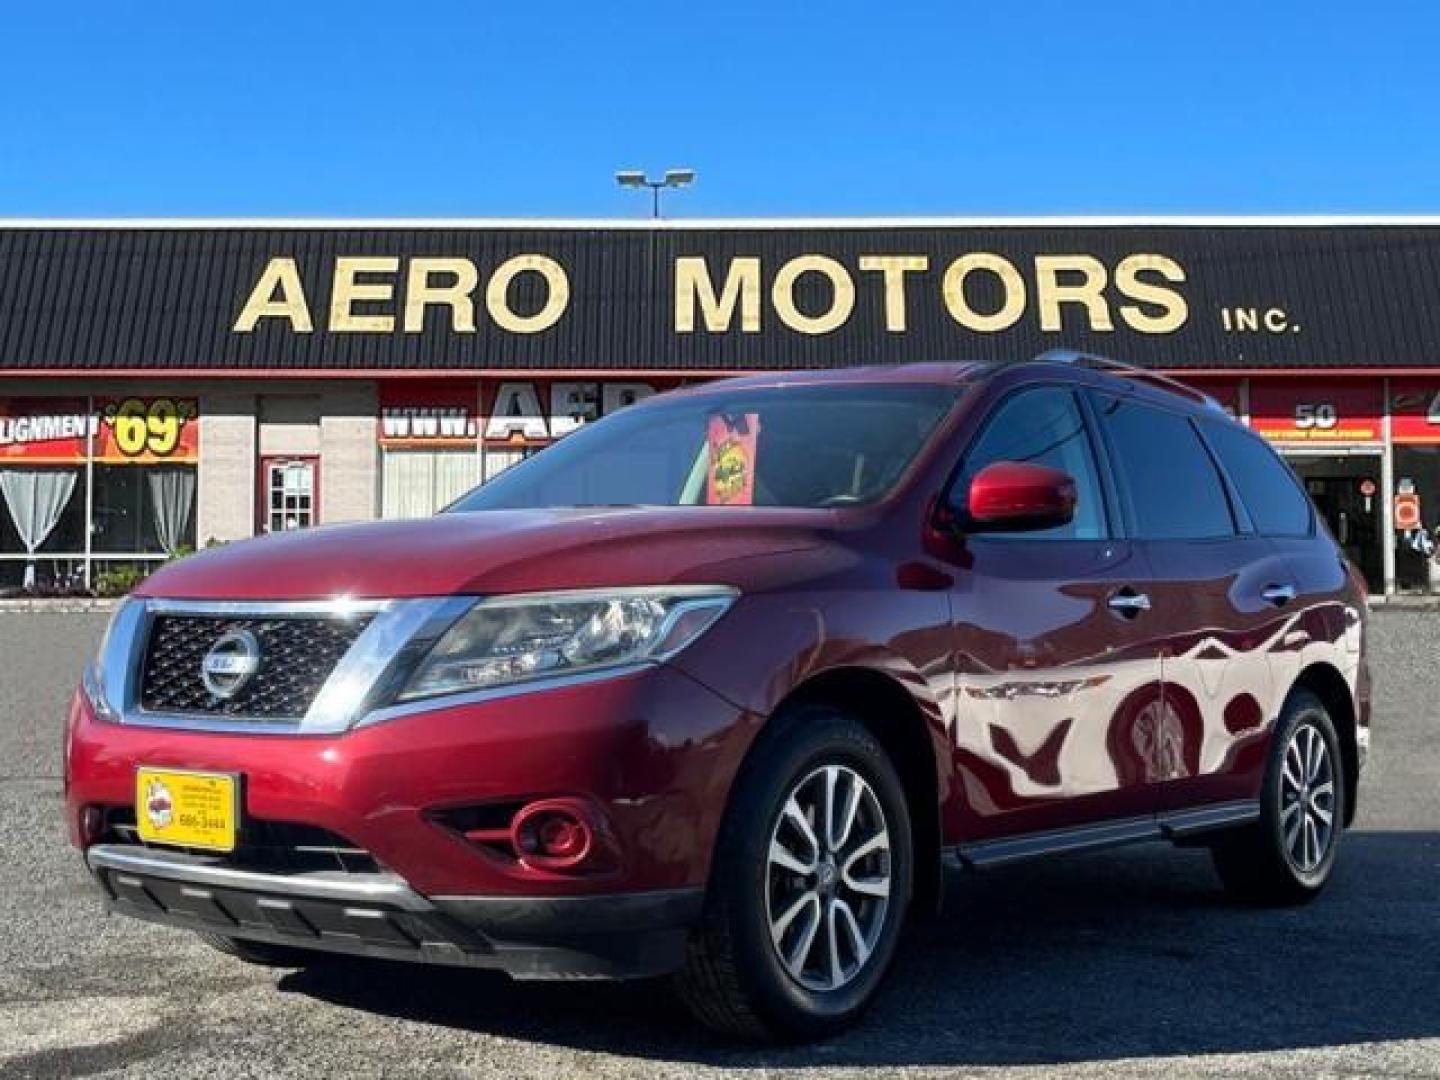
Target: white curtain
497,461
416,483
172,495
36,498
456,472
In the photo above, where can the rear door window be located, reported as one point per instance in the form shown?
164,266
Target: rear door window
1277,504
1173,488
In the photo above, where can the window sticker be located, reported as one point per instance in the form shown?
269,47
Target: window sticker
731,440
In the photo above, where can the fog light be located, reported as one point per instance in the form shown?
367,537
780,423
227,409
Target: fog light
557,834
562,837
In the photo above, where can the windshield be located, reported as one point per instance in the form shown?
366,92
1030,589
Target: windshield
801,446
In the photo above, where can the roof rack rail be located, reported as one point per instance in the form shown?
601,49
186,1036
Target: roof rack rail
1096,362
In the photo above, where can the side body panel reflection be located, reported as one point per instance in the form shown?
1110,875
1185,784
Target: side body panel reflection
1037,704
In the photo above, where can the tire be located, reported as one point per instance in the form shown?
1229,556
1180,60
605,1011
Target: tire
735,980
259,953
1266,863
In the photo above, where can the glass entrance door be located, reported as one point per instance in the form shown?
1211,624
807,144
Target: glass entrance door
1338,486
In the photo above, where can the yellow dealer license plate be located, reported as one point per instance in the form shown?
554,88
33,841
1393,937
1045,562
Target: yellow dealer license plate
187,809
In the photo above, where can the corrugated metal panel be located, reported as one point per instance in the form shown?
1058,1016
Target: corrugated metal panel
147,299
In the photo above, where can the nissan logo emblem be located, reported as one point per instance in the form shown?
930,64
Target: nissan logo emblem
230,664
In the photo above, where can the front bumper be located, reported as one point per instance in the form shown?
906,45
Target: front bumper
655,752
611,936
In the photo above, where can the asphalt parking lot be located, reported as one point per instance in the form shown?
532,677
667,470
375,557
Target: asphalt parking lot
1121,964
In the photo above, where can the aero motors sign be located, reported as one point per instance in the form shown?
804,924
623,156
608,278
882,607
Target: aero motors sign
532,413
507,413
429,415
589,300
982,291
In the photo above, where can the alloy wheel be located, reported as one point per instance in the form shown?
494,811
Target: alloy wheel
1307,799
828,878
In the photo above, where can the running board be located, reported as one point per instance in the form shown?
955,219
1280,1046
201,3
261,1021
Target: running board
1173,826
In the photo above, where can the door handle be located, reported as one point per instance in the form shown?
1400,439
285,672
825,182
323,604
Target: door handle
1279,595
1129,603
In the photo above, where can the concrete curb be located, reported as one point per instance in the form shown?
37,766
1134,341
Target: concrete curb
59,605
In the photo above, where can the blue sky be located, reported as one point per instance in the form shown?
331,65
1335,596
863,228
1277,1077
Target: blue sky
481,108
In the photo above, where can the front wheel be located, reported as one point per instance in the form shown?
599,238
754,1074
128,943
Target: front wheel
809,887
1287,856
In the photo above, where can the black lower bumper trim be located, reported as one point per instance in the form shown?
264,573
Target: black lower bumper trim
521,917
617,936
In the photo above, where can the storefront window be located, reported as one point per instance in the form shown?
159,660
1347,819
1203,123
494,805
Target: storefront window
498,460
126,463
1331,432
1417,518
417,483
144,509
1415,427
44,515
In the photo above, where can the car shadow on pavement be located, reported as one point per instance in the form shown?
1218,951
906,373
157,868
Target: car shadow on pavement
1128,954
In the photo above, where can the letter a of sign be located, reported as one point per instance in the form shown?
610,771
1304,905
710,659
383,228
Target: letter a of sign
280,277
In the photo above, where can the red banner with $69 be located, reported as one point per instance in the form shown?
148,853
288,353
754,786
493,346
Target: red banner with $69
133,430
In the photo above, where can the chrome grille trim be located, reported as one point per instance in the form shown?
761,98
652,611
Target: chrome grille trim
338,608
291,658
398,633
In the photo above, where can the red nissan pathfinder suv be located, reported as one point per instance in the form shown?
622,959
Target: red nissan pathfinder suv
717,687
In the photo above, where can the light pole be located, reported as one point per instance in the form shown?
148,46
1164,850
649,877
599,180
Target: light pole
673,178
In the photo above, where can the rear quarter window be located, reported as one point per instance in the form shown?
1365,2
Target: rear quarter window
1277,504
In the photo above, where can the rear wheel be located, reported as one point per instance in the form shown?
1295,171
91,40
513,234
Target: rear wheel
260,953
1287,856
810,884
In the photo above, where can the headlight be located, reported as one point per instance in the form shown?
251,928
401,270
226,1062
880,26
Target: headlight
102,675
514,639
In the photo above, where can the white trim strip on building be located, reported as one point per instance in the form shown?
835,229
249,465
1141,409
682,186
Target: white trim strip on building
662,224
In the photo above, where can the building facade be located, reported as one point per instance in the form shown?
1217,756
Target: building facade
165,385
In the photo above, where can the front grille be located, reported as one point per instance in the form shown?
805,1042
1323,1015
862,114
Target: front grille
297,654
272,847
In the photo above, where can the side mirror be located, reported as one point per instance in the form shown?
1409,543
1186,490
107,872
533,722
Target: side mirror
1014,496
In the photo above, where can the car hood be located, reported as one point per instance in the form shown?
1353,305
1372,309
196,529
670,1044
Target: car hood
497,551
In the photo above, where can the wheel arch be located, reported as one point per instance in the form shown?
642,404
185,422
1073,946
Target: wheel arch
895,718
1325,682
